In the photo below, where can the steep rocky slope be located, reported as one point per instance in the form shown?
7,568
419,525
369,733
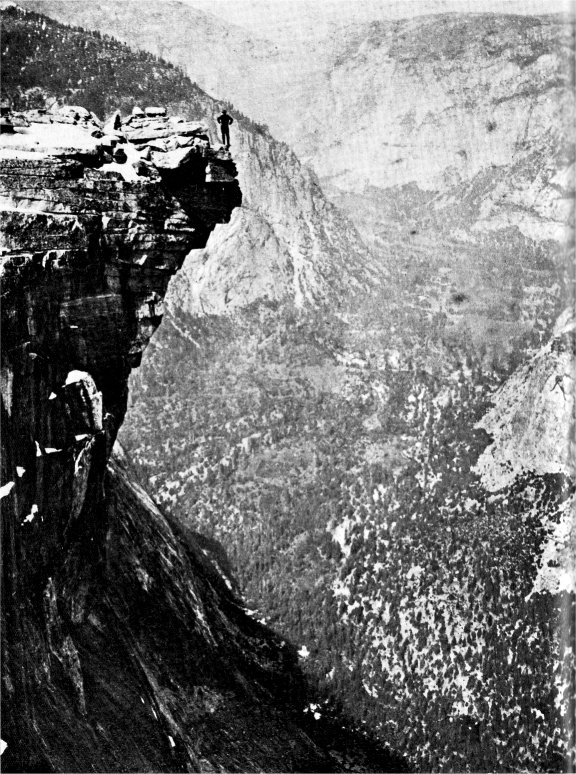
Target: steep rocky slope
286,242
124,644
532,423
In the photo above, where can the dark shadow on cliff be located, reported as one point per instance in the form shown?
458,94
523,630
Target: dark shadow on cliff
141,658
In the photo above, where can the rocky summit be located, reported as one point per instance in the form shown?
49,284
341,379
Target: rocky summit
125,646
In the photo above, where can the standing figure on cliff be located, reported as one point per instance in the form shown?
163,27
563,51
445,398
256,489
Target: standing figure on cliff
225,120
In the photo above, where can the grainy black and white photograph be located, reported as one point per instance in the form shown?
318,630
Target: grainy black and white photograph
288,386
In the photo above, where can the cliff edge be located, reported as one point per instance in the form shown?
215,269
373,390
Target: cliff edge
125,646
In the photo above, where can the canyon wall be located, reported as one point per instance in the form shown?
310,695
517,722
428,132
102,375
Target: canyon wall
125,646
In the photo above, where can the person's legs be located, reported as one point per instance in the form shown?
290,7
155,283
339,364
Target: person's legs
225,135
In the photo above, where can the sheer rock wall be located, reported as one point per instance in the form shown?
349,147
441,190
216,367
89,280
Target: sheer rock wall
124,644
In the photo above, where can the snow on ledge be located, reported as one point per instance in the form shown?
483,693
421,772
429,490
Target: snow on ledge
77,376
6,489
55,139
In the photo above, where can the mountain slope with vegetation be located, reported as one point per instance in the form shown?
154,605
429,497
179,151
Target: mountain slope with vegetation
337,466
225,59
335,455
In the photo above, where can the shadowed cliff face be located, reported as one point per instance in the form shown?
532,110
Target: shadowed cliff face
87,256
124,646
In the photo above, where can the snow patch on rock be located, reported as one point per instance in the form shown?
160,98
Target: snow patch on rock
5,489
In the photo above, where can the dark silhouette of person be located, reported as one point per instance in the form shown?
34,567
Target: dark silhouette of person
558,383
225,120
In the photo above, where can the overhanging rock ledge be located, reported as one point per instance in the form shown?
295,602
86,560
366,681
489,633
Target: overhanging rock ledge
124,644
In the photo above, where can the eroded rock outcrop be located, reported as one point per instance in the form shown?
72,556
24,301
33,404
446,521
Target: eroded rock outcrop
532,451
531,425
124,645
532,421
89,246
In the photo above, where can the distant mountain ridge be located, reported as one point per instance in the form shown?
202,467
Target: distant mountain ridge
385,90
430,88
445,139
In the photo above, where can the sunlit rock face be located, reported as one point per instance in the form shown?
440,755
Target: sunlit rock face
531,426
532,421
124,645
286,242
435,99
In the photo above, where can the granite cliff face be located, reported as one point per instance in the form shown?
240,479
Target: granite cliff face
87,256
287,242
531,426
532,421
124,644
308,251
